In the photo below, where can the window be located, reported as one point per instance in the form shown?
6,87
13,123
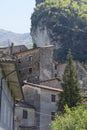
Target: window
19,72
30,70
55,67
30,58
53,98
19,60
25,114
55,75
81,77
52,116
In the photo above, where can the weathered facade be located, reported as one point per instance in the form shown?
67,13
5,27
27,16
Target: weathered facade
32,97
46,63
36,64
82,76
81,73
9,92
54,83
11,50
24,117
44,99
6,107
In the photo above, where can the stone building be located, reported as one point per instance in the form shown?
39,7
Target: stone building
81,72
14,49
11,50
24,116
44,99
10,91
36,64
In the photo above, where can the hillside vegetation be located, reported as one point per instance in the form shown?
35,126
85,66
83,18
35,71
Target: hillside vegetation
73,119
66,21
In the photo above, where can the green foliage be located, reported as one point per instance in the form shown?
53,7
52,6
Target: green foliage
73,119
84,97
67,20
71,90
54,9
84,65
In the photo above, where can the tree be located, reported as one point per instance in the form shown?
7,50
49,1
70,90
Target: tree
73,119
70,85
66,23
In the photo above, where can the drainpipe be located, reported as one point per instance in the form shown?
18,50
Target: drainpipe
11,48
13,112
1,95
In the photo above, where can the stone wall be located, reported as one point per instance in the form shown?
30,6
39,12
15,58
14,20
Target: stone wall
28,64
41,99
25,124
14,49
46,63
46,108
32,96
81,73
82,76
36,64
55,83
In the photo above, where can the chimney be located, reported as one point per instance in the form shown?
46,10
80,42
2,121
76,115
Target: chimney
11,48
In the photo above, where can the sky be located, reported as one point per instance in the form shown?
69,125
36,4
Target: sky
15,15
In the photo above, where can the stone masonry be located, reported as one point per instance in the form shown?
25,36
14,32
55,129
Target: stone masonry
36,64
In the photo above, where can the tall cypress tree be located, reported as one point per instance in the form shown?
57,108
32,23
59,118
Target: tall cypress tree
70,85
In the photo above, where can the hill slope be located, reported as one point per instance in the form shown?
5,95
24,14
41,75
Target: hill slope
6,37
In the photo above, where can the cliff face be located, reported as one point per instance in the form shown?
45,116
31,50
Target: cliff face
40,36
42,29
63,25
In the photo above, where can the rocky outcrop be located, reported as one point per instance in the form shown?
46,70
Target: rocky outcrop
61,26
40,36
39,1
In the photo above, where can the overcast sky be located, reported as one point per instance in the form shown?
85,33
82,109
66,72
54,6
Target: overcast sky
15,15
